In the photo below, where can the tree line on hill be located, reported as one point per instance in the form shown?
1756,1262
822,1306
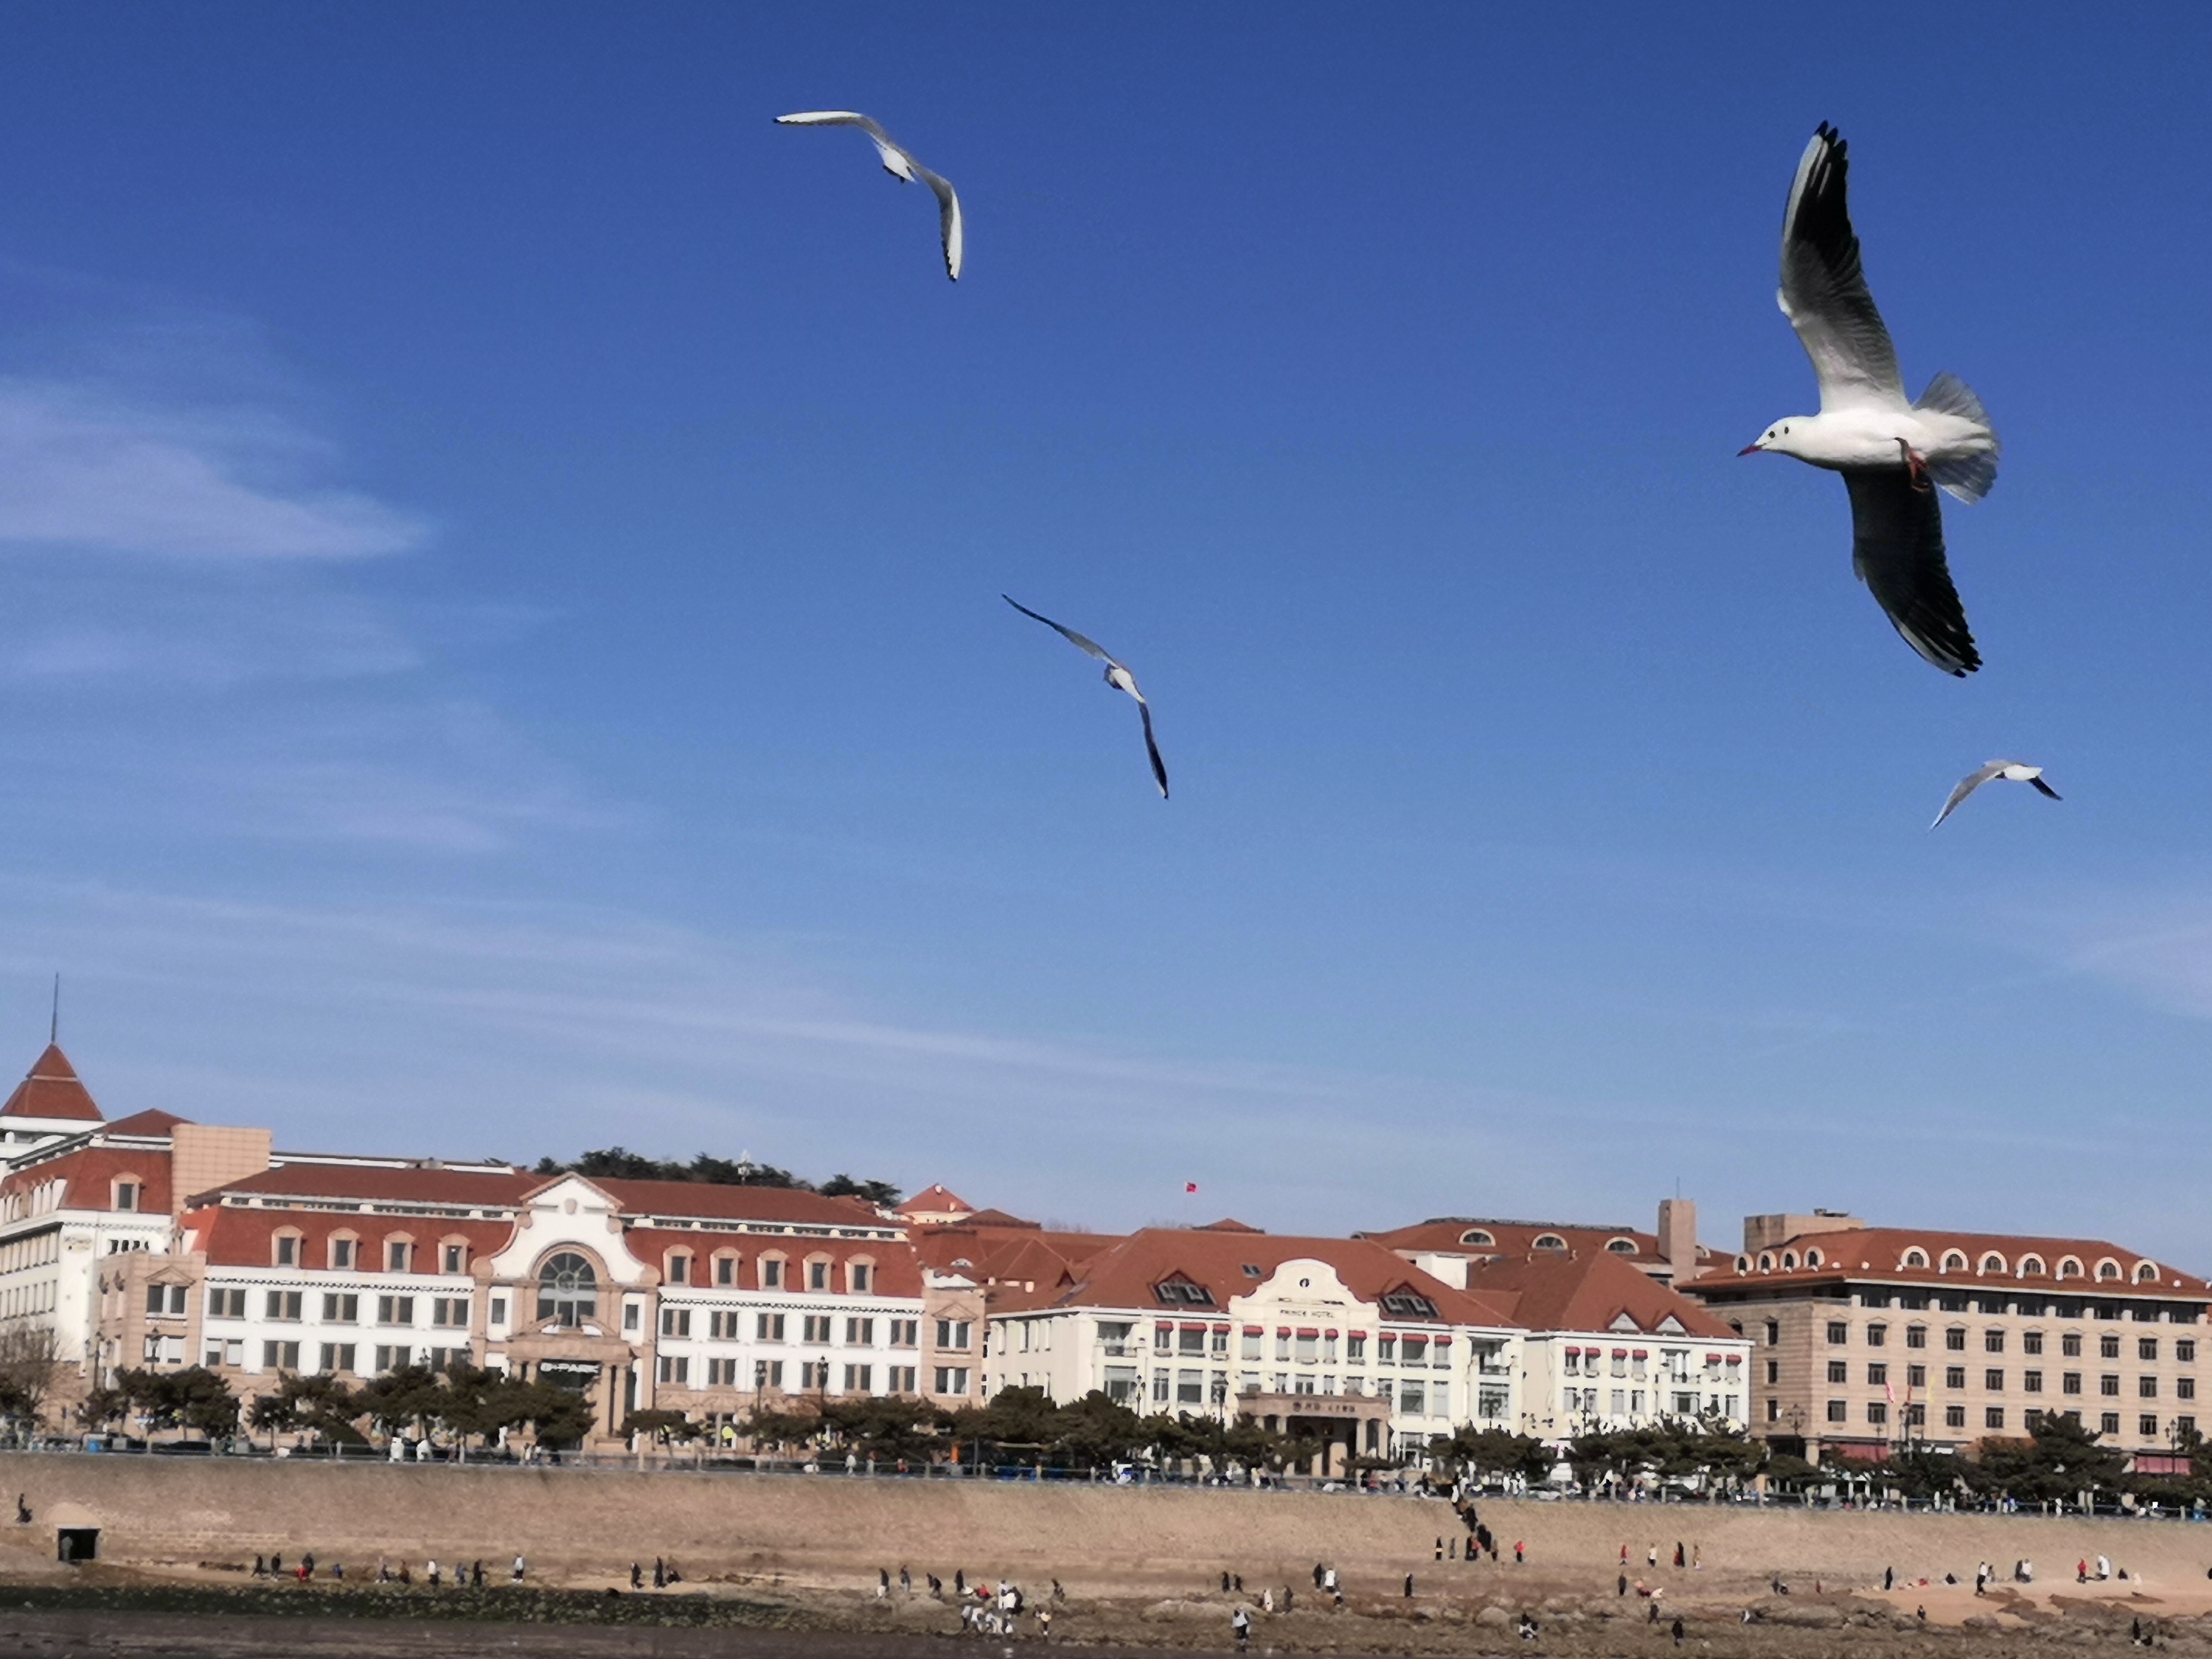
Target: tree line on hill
622,1164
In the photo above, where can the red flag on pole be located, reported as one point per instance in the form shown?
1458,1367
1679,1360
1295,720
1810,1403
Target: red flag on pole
1190,1185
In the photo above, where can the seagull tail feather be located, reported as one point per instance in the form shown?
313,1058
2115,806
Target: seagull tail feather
1970,476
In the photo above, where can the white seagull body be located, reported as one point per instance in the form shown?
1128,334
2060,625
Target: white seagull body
899,162
1117,677
1887,446
2011,771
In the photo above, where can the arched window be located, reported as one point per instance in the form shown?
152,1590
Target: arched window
567,1290
726,1268
1812,1258
1916,1258
1549,1242
2108,1269
1955,1261
1789,1260
2146,1273
284,1246
1765,1262
1993,1263
2069,1268
345,1252
2030,1267
1476,1236
679,1267
1743,1264
1621,1246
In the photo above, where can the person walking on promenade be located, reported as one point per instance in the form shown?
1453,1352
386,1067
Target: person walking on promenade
1440,1549
1225,1583
1329,1584
1679,1556
1678,1632
1520,1551
659,1573
2082,1571
1318,1571
1624,1583
906,1581
1267,1600
636,1577
1240,1626
960,1581
882,1583
1889,1579
1651,1556
1409,1587
520,1567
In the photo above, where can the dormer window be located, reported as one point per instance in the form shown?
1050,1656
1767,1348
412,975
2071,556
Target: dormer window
863,1276
679,1268
2030,1267
286,1247
1549,1242
395,1253
454,1258
1955,1261
1812,1258
2146,1273
127,1195
1181,1293
1621,1246
1476,1236
1407,1304
1916,1258
344,1253
1993,1263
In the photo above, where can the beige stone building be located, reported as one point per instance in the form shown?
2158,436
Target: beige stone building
1866,1338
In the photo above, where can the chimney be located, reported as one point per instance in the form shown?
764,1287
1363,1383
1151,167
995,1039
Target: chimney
1770,1232
1677,1238
202,1157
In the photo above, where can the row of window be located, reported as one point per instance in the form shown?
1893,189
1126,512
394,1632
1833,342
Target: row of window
675,1370
343,1254
1630,1403
1300,1347
727,1326
1955,1261
284,1356
338,1307
1993,1380
1994,1340
681,1267
1914,1415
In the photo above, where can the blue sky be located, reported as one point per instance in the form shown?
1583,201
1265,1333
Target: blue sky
502,546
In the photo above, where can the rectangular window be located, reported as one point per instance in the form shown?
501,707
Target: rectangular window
816,1328
1308,1351
771,1274
1955,1339
337,1356
2108,1423
863,1277
2108,1347
2030,1342
280,1356
1836,1413
723,1327
227,1304
953,1379
817,1275
633,1316
1993,1381
676,1322
1773,1373
859,1333
283,1304
1190,1388
725,1270
1876,1335
1355,1349
2070,1383
906,1333
223,1352
2147,1350
767,1373
2146,1388
2184,1388
1915,1376
127,1195
899,1379
1916,1336
1773,1409
2184,1429
1386,1350
1413,1399
680,1270
956,1333
1161,1382
2069,1345
1954,1376
721,1373
499,1310
1954,1417
1917,1415
392,1359
1877,1411
395,1310
1877,1375
288,1250
2109,1386
1838,1333
676,1369
1839,1370
456,1258
2032,1381
2184,1350
1993,1342
396,1252
452,1311
165,1298
340,1308
768,1328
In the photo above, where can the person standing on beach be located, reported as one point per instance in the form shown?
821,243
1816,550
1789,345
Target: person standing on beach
1679,1556
906,1581
1240,1626
1520,1551
1651,1556
515,1577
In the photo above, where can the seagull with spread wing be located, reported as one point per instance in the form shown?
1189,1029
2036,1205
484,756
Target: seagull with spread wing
2011,771
1887,448
899,162
1116,675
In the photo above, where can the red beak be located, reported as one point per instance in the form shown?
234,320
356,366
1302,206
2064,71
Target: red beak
1749,449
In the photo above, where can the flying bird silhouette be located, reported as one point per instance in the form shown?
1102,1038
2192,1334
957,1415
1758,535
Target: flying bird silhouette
1887,448
1117,676
899,162
2011,771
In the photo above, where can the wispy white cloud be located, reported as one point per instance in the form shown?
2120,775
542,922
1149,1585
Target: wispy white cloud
82,467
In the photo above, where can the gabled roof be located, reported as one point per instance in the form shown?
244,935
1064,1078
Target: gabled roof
994,1218
936,1201
89,1173
52,1090
1478,1235
1588,1292
1125,1273
149,1122
417,1184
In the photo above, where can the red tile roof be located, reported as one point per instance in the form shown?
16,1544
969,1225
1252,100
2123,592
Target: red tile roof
90,1172
897,1273
1551,1292
52,1090
708,1202
1882,1253
1449,1236
1124,1273
936,1201
149,1122
235,1237
416,1184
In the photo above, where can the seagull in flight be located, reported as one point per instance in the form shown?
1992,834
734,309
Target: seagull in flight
2011,771
1887,449
899,162
1116,675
